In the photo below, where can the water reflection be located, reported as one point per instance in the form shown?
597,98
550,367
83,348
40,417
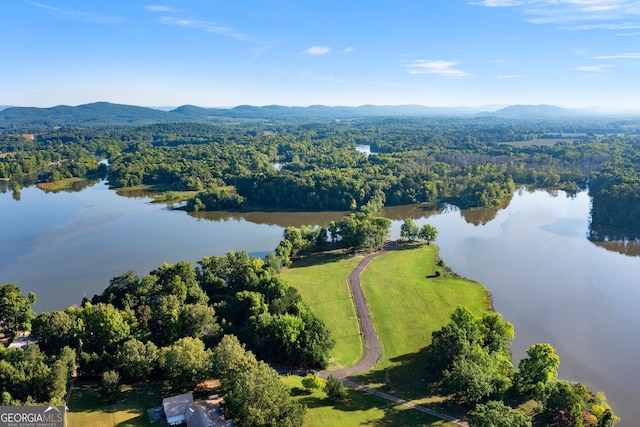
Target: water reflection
546,278
70,187
485,215
625,247
365,149
280,219
624,240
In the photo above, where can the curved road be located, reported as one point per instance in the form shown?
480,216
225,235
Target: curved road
372,348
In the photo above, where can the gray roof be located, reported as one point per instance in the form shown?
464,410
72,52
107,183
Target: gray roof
198,417
177,405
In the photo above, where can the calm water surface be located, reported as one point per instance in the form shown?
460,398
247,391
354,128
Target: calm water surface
546,278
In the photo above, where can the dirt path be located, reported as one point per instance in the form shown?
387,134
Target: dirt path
372,348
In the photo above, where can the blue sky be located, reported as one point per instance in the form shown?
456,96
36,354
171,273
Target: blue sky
572,53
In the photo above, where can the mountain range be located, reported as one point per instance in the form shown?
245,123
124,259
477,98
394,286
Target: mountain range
104,114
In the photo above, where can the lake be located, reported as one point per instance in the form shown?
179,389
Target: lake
546,278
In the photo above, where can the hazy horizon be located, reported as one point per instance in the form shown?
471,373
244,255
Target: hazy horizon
446,53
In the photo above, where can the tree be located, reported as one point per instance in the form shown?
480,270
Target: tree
54,331
230,358
104,327
409,229
312,381
15,308
257,397
428,233
334,388
165,322
198,320
253,393
110,385
187,363
537,370
136,360
497,414
471,378
563,405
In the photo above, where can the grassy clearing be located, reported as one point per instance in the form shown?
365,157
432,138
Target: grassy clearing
88,408
406,307
547,142
358,408
323,282
62,185
160,193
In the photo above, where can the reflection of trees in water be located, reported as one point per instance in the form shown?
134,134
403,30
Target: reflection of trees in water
399,213
280,219
615,222
481,216
624,240
625,247
135,193
73,186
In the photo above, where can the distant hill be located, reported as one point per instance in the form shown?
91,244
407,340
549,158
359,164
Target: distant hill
104,114
98,114
534,112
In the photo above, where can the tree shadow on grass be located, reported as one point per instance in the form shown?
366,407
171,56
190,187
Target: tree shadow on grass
321,258
140,420
408,379
359,401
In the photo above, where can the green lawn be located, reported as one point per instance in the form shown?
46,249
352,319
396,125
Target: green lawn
358,408
323,282
407,306
88,408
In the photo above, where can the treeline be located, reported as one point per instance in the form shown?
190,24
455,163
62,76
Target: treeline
315,166
615,193
469,359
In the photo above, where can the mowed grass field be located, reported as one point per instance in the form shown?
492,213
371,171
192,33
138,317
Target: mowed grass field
88,408
358,408
323,282
406,306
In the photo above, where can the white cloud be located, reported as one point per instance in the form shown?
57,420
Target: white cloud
438,67
594,68
348,49
317,50
572,11
511,76
158,8
208,26
79,15
620,56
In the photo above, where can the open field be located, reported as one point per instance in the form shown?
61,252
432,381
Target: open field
548,142
323,282
88,408
62,185
358,408
406,307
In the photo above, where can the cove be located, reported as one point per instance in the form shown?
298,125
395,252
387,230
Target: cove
533,254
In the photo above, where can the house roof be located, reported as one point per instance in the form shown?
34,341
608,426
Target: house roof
197,417
175,406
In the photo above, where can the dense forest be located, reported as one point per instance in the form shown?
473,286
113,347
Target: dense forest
160,325
466,161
